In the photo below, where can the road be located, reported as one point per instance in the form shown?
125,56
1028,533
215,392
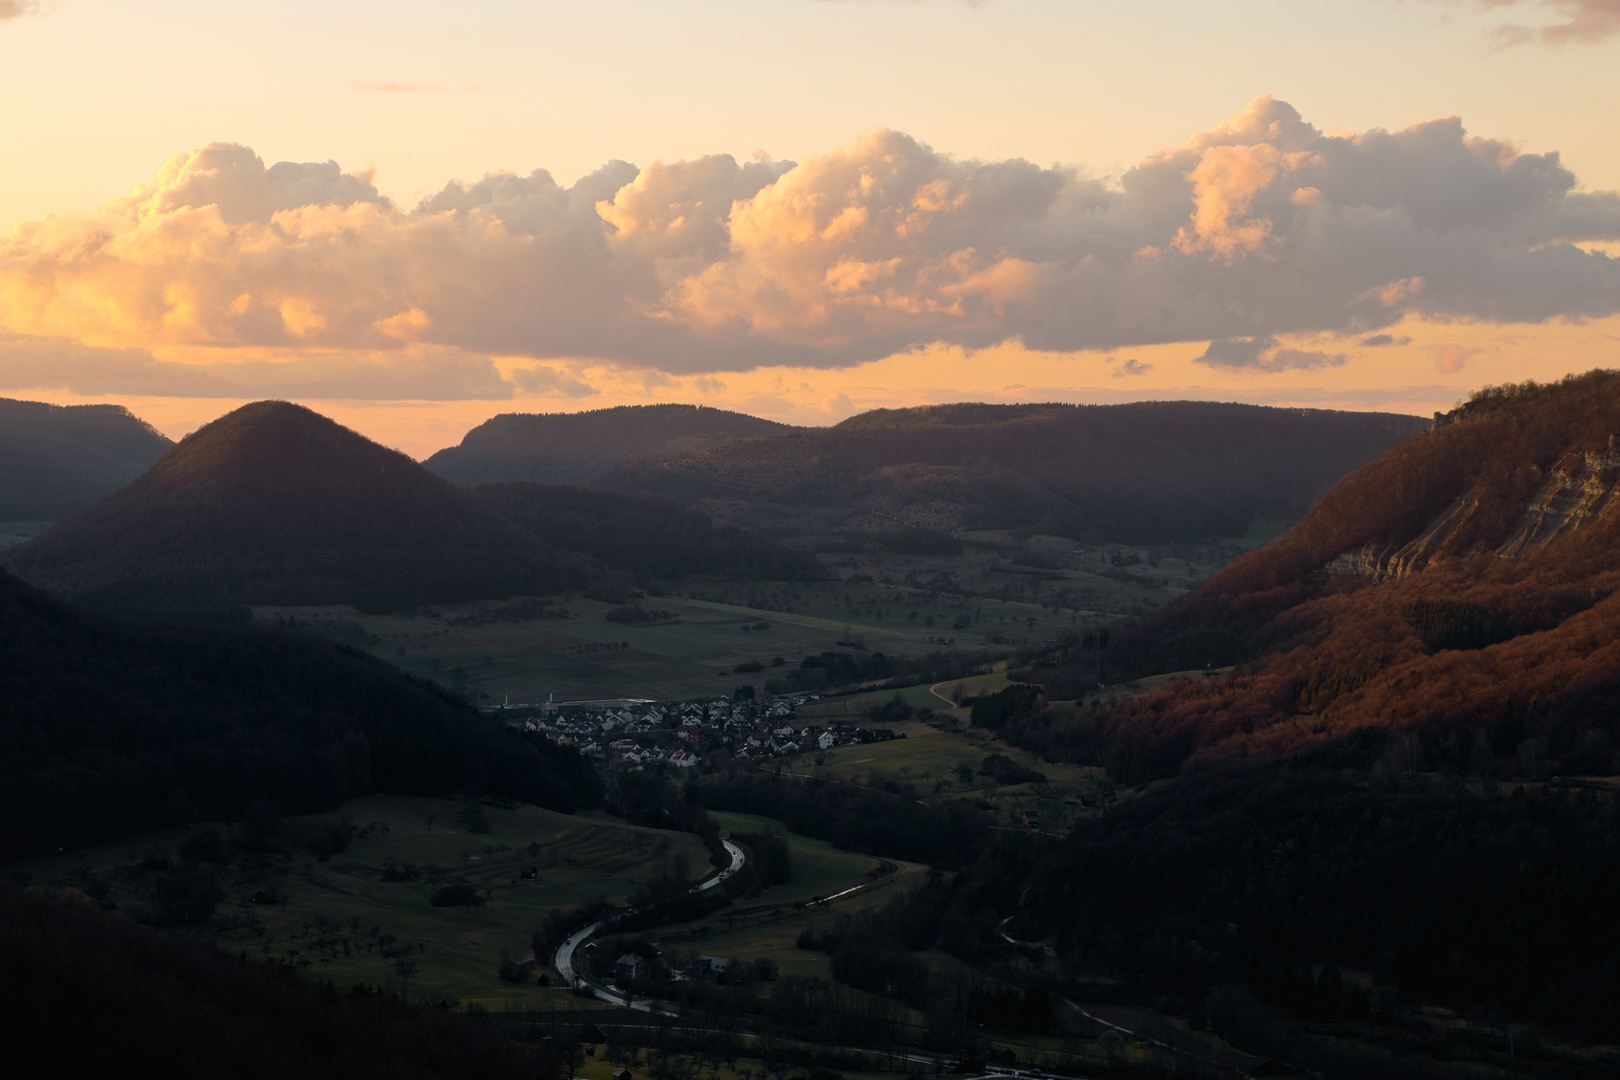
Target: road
577,981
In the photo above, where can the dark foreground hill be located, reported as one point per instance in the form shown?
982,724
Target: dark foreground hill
109,728
574,448
56,459
651,538
1461,589
106,997
274,503
1144,473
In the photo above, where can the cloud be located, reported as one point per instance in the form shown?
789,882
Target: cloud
1575,22
16,9
1264,354
1383,341
1452,358
1261,228
1132,367
425,374
550,382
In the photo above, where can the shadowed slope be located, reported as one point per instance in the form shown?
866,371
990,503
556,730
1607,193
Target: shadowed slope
119,999
274,503
573,448
109,728
1146,473
1462,587
57,459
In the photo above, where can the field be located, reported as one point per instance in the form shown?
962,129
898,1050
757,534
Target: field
336,914
15,532
896,604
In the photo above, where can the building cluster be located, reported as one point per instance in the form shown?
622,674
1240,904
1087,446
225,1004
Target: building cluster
632,734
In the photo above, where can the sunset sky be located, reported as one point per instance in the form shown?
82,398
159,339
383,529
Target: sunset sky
412,216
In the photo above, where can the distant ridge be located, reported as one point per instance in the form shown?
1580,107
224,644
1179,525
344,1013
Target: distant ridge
574,448
1153,472
56,459
274,503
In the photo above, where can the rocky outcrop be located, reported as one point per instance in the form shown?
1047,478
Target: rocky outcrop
1578,490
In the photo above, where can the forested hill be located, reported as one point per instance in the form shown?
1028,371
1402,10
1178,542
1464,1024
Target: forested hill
1144,473
56,459
1462,588
653,539
573,448
110,728
274,503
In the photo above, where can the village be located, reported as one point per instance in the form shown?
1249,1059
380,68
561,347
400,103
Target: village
637,734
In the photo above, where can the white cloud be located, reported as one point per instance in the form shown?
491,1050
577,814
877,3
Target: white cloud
1260,228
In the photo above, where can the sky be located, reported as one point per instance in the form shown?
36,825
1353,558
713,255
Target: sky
413,216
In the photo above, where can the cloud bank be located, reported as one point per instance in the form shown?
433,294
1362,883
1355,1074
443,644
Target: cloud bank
1260,228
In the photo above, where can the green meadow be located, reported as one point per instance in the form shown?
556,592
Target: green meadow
332,917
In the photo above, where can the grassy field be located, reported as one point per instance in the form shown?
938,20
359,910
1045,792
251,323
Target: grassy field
15,532
336,912
897,604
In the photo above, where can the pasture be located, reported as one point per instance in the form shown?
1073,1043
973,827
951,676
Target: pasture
906,605
337,919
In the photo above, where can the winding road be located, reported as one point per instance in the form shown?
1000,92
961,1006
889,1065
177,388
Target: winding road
575,980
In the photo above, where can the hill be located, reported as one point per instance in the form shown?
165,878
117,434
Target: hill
574,448
110,727
56,459
274,503
116,997
652,538
1145,473
1460,591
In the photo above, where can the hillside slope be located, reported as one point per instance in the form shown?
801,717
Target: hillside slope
57,459
119,998
651,538
1145,473
110,728
274,503
1461,588
574,448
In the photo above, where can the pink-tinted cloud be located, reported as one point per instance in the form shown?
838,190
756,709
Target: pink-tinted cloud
1453,358
1259,228
1575,22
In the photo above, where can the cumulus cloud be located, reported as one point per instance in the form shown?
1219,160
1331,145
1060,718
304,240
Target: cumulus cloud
1261,227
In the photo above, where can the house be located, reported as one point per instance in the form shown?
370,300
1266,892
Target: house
630,968
621,1073
826,740
1031,819
1088,800
683,759
712,967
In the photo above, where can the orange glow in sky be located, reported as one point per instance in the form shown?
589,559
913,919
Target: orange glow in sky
1357,204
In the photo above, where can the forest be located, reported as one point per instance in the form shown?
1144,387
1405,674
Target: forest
109,728
1148,473
1461,587
575,448
116,997
653,539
